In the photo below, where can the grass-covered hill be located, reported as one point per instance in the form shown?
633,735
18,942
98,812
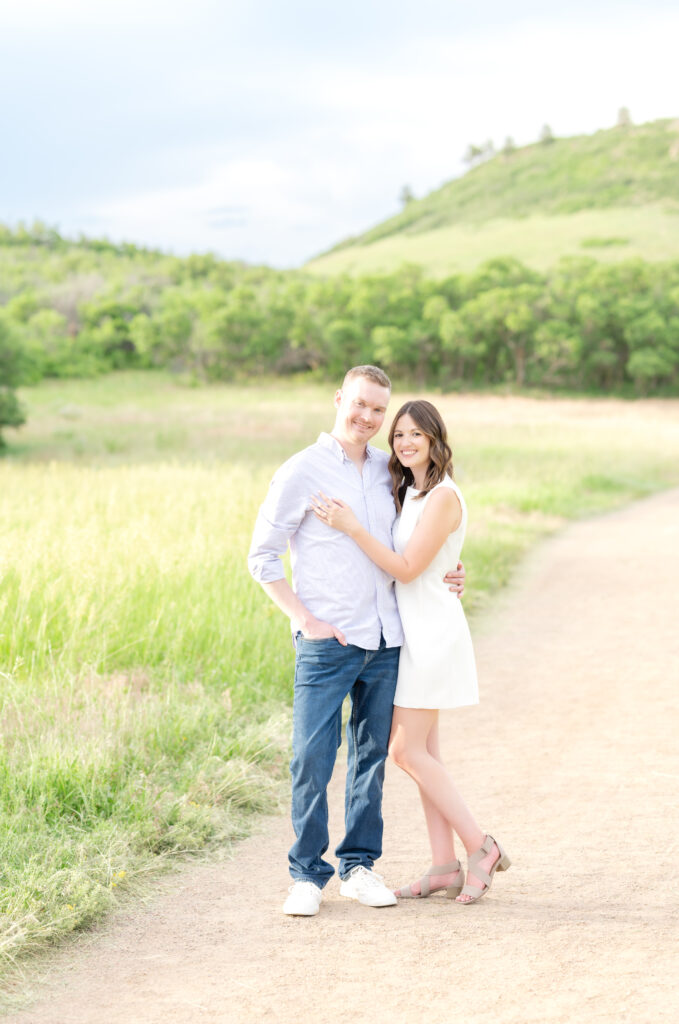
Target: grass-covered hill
613,195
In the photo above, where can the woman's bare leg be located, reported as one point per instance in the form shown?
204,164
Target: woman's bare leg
414,747
439,829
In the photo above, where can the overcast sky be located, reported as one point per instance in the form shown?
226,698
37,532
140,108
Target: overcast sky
268,130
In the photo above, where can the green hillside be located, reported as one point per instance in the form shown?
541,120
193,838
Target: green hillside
613,195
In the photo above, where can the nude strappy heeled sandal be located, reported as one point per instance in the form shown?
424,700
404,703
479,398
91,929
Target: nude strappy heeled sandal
452,891
503,862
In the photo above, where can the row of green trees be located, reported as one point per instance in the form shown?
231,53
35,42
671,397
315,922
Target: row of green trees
83,309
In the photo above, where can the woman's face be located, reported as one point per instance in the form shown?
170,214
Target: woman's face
411,444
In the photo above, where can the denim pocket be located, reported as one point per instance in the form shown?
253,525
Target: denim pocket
325,650
312,640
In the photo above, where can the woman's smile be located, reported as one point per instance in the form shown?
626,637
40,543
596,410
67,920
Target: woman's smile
411,444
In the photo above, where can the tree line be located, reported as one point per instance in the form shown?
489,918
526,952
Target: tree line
69,309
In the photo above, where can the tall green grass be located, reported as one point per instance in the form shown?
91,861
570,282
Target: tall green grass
145,680
107,569
143,713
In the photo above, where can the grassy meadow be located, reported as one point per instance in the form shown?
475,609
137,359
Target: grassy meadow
539,240
145,680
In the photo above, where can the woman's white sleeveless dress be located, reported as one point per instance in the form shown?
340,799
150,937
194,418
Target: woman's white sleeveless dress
437,667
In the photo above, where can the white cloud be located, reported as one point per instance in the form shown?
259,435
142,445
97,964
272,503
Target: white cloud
246,208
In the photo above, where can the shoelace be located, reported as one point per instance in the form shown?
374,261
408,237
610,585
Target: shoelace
366,877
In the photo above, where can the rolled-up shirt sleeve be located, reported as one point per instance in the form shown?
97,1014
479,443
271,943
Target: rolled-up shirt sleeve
278,519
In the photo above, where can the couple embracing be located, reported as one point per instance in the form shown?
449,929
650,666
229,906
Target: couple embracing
375,541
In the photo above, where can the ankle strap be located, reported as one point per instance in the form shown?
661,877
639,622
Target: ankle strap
444,869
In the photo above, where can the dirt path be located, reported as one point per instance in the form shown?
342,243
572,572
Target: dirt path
572,759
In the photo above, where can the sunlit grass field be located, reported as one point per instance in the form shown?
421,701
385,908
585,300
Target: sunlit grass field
540,240
145,680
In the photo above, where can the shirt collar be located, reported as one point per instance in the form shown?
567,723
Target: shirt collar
330,442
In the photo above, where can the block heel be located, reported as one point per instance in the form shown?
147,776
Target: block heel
475,892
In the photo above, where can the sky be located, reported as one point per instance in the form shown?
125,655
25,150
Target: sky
269,130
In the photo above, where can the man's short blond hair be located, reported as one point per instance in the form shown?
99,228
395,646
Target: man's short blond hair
371,372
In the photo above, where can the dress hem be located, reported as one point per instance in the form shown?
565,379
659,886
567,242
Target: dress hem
437,707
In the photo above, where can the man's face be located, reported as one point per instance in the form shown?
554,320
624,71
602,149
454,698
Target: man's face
361,407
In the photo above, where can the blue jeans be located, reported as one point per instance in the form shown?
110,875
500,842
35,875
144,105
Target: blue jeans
325,672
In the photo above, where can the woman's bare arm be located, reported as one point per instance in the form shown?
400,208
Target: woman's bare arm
442,515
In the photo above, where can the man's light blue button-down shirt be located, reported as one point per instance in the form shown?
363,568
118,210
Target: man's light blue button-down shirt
330,574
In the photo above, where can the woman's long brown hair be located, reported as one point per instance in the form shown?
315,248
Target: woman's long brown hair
428,419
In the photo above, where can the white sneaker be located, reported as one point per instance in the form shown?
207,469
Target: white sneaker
304,899
368,888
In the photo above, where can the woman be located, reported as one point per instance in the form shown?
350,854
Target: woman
436,668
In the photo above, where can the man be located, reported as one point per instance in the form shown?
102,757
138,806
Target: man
347,633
